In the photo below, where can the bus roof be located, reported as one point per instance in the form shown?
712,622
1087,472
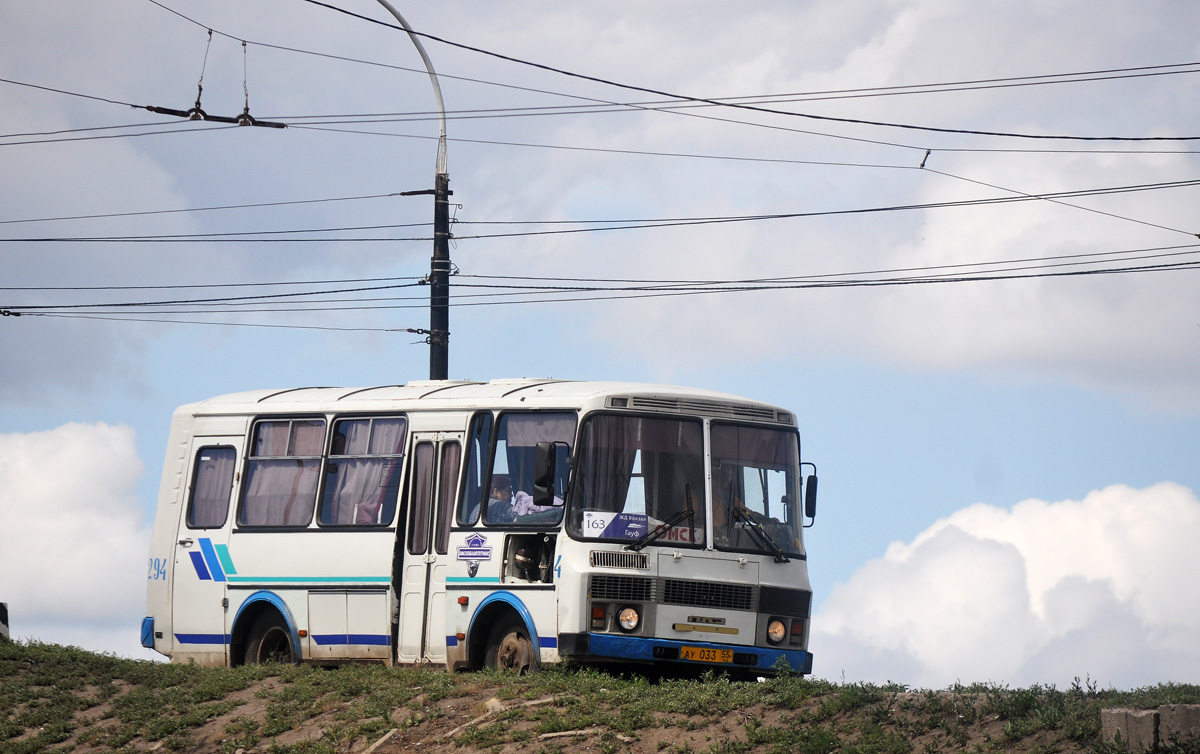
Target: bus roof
501,393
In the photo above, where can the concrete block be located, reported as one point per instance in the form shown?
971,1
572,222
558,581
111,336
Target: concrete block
1137,727
1178,722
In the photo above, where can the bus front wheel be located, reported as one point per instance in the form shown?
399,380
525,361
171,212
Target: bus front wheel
509,648
269,641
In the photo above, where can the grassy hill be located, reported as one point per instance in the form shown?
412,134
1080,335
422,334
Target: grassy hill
64,699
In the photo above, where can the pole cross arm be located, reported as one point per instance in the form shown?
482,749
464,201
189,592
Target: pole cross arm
245,119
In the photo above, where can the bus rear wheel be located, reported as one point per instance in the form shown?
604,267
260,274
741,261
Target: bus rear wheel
510,648
269,641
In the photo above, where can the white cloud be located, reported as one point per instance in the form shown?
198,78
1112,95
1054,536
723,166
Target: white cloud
73,546
1040,593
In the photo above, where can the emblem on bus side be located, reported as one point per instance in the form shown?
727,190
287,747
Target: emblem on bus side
474,550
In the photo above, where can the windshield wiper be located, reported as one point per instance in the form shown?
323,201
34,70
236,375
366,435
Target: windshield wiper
759,533
669,524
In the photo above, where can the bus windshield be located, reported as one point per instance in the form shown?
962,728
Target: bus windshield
755,479
635,473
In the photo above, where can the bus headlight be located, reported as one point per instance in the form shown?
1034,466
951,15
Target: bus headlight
628,618
776,631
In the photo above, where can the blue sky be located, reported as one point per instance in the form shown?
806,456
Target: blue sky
933,412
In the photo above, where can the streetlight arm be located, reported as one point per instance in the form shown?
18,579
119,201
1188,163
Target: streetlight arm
439,268
437,89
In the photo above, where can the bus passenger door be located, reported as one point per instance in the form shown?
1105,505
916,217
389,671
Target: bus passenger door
434,478
202,560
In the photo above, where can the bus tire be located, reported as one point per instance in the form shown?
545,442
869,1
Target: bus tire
270,641
510,649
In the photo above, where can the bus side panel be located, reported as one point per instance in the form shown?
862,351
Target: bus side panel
543,606
369,623
571,573
335,583
475,575
347,624
327,626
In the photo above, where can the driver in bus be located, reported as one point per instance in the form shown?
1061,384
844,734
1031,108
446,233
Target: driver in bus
728,508
500,506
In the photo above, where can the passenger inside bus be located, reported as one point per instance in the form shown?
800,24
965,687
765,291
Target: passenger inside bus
523,507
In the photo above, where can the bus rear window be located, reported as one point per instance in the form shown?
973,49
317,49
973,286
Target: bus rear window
212,483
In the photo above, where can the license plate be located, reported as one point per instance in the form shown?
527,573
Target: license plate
701,654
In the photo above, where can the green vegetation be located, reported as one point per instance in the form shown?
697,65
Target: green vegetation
61,699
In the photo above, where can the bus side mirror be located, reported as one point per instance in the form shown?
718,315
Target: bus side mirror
810,498
545,456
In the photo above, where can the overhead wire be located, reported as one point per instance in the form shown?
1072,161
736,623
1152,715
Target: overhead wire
681,101
198,286
696,101
223,299
1073,77
254,205
747,107
1141,253
604,106
1165,267
224,324
615,225
674,100
509,286
192,128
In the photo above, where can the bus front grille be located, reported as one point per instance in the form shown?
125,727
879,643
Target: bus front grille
622,588
708,594
680,592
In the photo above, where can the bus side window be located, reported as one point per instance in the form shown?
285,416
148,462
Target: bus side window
421,500
473,493
282,473
451,458
212,483
517,436
362,477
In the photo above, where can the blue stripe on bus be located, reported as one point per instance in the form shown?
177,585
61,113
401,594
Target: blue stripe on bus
221,639
201,569
642,648
373,640
210,557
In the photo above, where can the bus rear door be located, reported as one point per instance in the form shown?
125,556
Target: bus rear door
202,562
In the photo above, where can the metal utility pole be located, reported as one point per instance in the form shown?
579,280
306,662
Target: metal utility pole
439,267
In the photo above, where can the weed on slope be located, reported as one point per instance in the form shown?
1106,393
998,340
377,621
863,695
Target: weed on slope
61,699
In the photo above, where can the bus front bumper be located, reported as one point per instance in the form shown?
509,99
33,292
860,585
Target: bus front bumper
591,647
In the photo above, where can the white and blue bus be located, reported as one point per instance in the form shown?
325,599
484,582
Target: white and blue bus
500,524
